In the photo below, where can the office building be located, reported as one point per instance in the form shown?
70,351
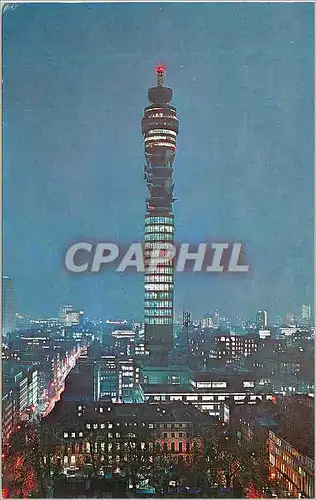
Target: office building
115,378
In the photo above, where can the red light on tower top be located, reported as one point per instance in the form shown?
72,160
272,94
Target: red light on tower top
160,71
160,68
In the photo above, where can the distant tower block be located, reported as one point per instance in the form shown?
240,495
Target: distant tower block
8,305
186,324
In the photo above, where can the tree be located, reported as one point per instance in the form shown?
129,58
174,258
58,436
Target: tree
30,463
45,441
160,473
198,465
178,472
219,459
136,456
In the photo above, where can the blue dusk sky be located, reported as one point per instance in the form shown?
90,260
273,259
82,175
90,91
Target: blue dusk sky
75,80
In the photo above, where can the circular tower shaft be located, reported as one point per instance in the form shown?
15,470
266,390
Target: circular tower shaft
159,128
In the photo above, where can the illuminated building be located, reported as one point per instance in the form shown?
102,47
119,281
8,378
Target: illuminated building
306,314
262,320
128,377
181,352
9,414
289,320
22,382
159,128
114,378
8,308
294,471
124,342
264,334
217,318
113,428
207,322
106,378
74,318
234,347
208,391
285,431
185,339
64,309
35,338
70,316
123,334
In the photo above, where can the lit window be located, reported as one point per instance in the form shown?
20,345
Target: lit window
219,384
162,131
248,384
65,434
158,279
158,237
152,269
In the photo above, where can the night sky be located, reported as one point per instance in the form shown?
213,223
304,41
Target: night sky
75,85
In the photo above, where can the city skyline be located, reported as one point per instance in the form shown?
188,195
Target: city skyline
292,317
73,110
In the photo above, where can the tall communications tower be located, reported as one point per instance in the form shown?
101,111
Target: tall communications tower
160,128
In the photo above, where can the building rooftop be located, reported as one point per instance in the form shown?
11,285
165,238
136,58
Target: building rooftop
222,373
67,413
166,388
291,418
